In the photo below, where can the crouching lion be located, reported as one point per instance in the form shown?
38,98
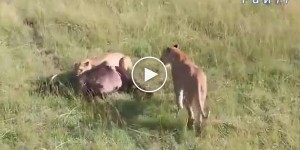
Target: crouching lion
112,59
190,85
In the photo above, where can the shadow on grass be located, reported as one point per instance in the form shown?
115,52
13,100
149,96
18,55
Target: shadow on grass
138,116
119,111
63,85
111,109
137,112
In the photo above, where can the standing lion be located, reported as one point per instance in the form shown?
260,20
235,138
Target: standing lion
190,85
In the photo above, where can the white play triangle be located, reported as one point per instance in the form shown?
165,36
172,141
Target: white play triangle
149,74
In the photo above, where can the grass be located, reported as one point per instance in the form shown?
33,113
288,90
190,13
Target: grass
251,54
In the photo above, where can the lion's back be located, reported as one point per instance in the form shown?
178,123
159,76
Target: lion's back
112,59
188,76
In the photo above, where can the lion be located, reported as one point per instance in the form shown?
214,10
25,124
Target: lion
112,59
190,85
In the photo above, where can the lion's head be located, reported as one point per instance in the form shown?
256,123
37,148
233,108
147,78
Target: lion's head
82,66
172,54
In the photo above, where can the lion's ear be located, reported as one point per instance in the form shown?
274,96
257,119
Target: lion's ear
76,65
176,46
86,63
168,50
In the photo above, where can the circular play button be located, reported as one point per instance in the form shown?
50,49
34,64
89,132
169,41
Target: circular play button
149,74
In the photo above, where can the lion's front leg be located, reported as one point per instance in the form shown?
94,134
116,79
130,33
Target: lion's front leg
179,93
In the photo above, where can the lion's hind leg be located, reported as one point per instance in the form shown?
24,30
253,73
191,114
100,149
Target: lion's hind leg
191,117
198,117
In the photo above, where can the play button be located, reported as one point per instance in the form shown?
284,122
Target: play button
149,74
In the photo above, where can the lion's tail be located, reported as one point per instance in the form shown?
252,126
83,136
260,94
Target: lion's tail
53,77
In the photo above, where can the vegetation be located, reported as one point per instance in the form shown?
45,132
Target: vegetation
251,54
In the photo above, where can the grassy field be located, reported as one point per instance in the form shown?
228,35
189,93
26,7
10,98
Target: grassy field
251,54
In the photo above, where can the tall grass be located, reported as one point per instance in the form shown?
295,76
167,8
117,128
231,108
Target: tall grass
251,54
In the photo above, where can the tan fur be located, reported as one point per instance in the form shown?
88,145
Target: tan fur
113,59
126,63
190,84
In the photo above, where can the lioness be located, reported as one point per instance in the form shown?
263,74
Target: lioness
112,59
190,85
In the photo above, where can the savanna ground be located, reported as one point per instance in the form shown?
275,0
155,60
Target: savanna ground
251,54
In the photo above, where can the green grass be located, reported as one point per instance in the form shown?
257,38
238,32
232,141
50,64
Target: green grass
251,54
